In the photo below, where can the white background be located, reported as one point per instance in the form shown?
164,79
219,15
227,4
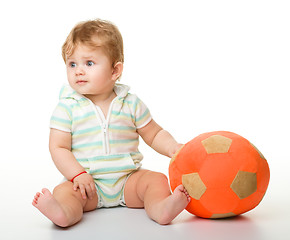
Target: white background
199,66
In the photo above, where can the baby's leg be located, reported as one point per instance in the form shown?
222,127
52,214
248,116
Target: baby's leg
65,206
151,190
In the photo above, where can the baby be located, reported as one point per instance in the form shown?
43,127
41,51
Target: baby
94,136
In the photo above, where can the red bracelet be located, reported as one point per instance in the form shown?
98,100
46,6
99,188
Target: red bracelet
72,180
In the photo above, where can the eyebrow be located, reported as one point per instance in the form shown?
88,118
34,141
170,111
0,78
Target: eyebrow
88,57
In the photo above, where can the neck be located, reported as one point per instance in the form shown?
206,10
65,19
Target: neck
101,99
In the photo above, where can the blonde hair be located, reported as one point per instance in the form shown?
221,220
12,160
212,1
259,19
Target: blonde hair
96,33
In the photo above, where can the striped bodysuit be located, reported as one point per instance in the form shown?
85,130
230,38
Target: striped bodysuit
106,147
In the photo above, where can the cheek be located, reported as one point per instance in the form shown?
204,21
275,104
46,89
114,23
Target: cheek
70,73
96,74
70,78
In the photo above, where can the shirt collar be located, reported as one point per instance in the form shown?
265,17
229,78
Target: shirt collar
67,92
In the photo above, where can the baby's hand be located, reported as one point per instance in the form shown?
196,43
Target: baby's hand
174,149
86,184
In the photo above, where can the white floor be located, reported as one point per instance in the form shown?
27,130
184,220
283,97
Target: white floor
122,223
270,220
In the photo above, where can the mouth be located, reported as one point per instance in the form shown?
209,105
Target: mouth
81,82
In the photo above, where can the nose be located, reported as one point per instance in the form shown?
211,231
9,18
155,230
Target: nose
79,71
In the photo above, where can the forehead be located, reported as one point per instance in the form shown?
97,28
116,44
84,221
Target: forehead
83,51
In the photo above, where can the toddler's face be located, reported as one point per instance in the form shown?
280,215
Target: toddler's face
90,71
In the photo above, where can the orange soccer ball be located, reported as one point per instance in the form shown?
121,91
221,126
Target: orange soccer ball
224,174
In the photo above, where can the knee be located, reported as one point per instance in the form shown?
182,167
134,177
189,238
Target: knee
63,187
153,177
152,182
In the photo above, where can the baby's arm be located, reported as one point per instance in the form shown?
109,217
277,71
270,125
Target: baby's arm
64,160
159,139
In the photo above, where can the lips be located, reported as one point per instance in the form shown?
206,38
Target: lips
81,82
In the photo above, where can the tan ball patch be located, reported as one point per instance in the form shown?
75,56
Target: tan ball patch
244,184
194,185
217,144
223,215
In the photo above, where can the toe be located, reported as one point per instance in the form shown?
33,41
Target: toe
45,191
37,195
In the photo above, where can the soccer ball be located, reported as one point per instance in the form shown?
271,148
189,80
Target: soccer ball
224,174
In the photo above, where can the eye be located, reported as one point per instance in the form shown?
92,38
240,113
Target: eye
90,63
72,64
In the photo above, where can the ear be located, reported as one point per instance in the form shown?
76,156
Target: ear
117,71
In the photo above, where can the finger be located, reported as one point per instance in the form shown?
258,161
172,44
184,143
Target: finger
89,191
83,191
93,187
75,186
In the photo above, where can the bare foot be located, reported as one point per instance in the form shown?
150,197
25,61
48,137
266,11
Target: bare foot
173,205
47,205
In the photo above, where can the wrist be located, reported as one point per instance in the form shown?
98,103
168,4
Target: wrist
72,180
174,148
